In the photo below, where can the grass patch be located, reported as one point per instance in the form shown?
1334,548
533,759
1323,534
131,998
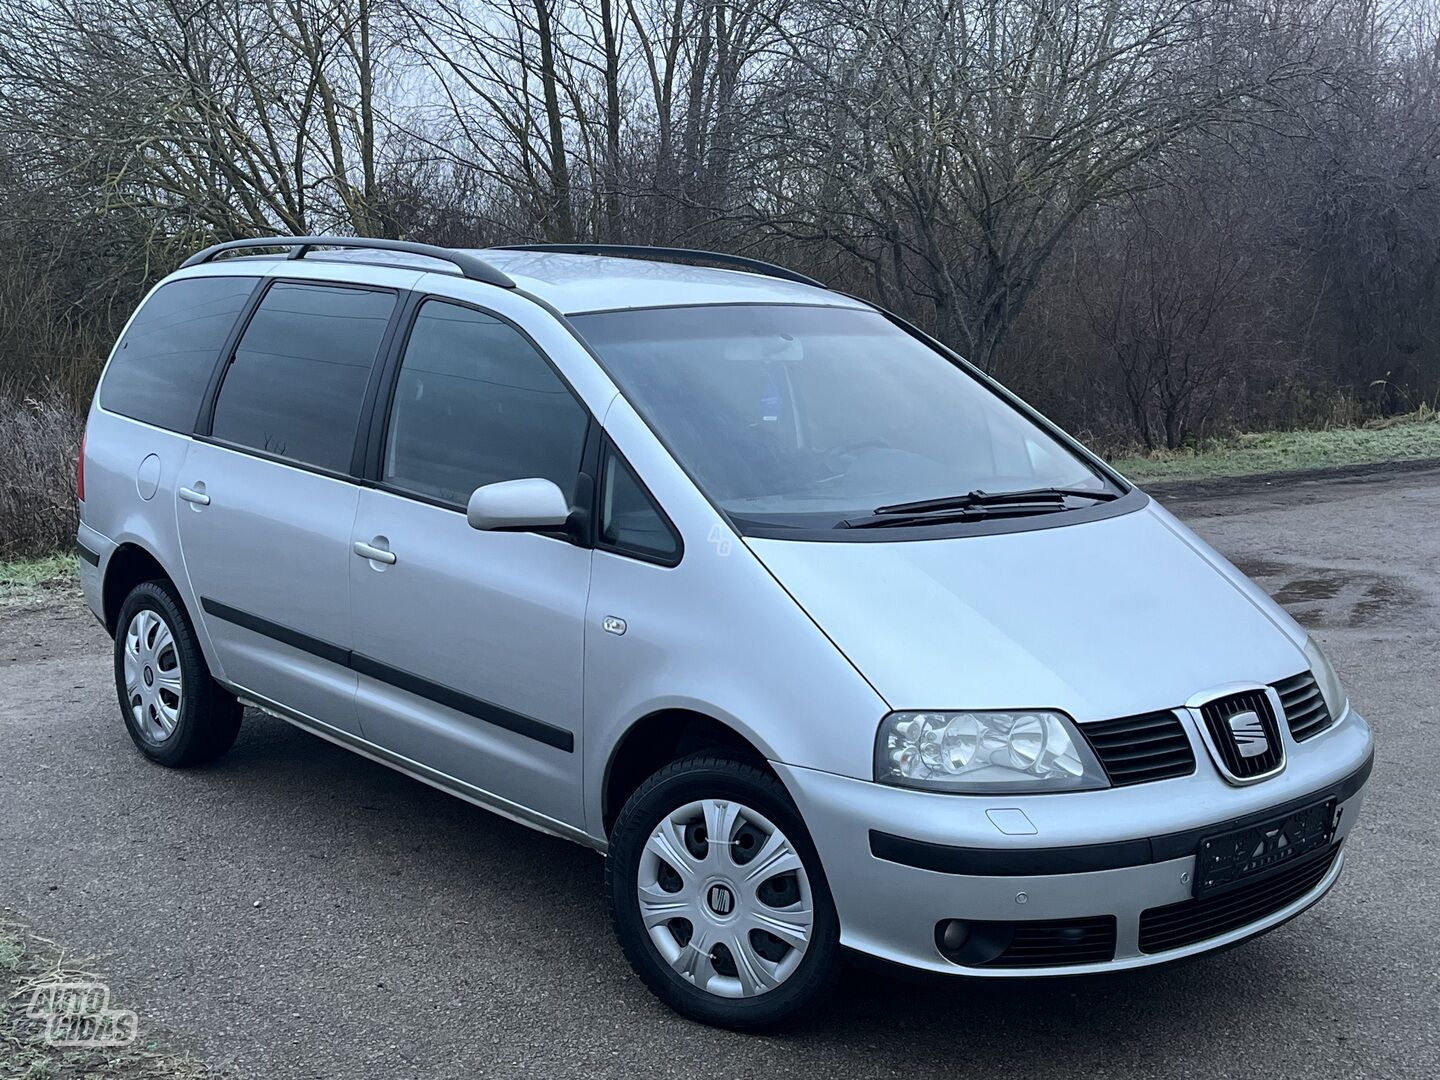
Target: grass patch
1404,438
29,963
33,579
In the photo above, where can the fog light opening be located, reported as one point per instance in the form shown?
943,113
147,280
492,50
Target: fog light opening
970,943
953,935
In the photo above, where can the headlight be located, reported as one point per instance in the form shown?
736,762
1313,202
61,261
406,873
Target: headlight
982,752
1328,681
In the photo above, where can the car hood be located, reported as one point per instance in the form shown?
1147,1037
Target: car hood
1101,619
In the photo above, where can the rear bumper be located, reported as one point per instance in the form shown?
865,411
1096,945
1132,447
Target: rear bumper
902,863
92,551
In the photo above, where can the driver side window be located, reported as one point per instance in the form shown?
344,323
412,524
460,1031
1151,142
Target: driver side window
475,403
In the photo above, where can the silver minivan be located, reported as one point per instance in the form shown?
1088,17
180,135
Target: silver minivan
823,637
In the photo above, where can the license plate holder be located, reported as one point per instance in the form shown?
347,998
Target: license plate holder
1240,856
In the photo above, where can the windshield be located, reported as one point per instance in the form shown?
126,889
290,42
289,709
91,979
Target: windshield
813,416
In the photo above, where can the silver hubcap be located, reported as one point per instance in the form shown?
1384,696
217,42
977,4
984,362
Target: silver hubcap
725,899
152,676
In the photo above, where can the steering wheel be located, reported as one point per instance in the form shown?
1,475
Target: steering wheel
835,460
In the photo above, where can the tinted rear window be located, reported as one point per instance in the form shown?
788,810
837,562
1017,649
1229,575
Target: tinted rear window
163,363
297,383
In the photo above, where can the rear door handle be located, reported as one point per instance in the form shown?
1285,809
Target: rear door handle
369,551
190,495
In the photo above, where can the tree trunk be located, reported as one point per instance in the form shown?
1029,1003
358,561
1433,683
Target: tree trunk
560,221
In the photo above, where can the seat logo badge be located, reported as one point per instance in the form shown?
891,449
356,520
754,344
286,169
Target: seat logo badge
1249,733
721,900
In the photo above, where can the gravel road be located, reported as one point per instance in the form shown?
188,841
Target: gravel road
299,912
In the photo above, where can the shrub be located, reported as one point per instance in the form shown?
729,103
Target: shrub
39,438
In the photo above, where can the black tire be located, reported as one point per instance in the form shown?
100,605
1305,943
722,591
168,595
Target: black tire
208,715
714,775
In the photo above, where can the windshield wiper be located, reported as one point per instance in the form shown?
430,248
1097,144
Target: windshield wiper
1048,495
972,507
950,517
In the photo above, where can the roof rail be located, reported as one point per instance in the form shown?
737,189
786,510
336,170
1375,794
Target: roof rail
469,266
640,251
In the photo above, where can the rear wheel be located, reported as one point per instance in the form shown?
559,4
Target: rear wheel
176,713
718,896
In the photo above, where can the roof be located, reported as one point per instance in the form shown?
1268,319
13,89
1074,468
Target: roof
601,282
571,282
575,284
580,283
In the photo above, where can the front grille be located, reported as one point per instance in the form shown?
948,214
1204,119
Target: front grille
1303,705
1217,715
1135,749
1178,925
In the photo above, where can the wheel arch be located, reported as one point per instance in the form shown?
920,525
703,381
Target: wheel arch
658,738
129,565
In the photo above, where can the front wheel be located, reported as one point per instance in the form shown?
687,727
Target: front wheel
718,897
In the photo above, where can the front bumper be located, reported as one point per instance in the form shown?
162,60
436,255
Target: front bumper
900,863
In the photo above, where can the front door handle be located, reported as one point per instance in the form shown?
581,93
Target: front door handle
370,551
190,495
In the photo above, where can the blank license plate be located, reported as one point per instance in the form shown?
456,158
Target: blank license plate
1244,854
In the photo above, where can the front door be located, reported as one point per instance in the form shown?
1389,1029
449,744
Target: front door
468,644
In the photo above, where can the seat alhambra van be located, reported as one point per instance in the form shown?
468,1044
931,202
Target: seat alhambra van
824,638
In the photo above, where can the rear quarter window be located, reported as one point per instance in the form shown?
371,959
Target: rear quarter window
160,368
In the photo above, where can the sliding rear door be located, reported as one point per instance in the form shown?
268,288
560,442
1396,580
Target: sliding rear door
267,499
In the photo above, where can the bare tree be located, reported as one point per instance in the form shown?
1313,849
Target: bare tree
956,142
1164,303
1158,218
235,118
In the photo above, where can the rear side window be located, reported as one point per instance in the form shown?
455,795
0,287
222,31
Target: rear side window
296,385
164,362
476,404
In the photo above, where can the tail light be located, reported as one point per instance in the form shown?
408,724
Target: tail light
80,470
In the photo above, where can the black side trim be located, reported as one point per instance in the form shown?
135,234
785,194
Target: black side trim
92,557
497,715
283,634
453,699
1087,858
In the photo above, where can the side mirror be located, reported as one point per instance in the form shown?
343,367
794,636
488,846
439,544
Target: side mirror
518,506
